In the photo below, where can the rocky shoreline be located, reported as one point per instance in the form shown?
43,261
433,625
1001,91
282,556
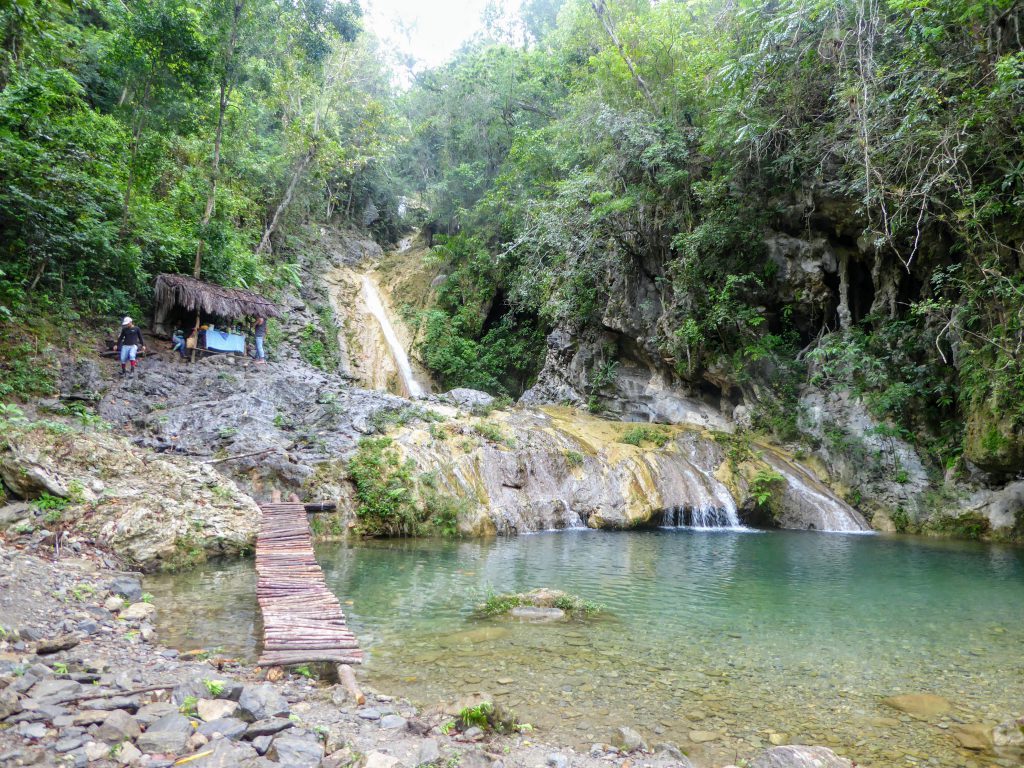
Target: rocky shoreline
85,682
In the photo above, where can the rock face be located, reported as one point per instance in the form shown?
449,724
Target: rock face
552,468
290,414
155,511
577,370
886,470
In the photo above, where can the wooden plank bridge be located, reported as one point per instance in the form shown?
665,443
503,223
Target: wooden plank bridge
302,619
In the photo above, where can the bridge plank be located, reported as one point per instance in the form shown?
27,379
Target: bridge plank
302,619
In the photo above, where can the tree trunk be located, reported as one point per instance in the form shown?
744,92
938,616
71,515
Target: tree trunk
285,201
227,83
606,22
140,122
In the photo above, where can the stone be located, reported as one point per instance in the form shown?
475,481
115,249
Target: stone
262,743
381,760
131,703
468,398
294,752
259,702
127,587
920,705
1009,734
973,736
429,752
699,737
138,612
392,722
530,613
118,726
777,739
128,754
173,723
10,702
57,644
796,756
473,734
627,740
227,727
68,743
162,742
267,727
114,603
369,713
223,754
96,750
54,690
90,717
196,740
215,709
150,713
557,760
32,730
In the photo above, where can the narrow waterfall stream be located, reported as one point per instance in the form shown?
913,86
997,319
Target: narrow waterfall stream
376,306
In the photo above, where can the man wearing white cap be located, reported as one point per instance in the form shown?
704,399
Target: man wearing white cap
129,342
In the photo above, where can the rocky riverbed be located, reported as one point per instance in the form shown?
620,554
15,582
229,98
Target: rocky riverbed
85,682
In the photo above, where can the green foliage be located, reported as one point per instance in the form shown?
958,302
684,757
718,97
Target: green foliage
214,687
765,485
188,706
658,436
385,501
492,432
385,419
477,716
573,458
970,525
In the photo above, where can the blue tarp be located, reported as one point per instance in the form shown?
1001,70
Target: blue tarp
225,342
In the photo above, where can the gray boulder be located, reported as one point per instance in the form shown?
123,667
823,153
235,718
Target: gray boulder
128,586
260,702
627,739
228,727
293,752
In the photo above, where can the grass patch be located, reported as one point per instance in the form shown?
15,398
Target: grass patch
637,436
573,605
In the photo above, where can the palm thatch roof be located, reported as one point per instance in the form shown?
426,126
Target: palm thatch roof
192,294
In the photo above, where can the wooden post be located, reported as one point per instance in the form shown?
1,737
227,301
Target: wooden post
348,679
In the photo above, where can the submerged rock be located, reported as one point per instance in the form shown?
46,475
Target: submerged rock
800,757
923,705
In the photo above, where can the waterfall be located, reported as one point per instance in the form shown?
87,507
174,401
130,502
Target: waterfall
376,306
812,502
701,517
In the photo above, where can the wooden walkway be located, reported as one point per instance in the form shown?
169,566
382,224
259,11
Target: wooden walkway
302,619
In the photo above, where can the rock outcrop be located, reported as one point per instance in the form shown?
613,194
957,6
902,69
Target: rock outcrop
553,468
156,511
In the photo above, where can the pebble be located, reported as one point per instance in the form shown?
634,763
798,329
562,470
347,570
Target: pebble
369,713
557,760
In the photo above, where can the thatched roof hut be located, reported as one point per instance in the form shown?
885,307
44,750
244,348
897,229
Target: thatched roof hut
175,295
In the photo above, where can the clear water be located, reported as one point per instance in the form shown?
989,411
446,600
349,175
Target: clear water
738,634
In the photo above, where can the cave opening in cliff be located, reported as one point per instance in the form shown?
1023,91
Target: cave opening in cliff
861,289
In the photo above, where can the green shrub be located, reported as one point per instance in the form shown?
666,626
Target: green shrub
385,498
637,436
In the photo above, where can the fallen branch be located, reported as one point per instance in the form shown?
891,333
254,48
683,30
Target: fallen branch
114,694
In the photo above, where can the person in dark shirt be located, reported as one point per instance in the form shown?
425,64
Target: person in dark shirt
259,332
129,342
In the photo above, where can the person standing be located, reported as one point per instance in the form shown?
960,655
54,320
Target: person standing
259,331
129,342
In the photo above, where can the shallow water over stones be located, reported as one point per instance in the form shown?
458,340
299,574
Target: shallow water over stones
722,642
